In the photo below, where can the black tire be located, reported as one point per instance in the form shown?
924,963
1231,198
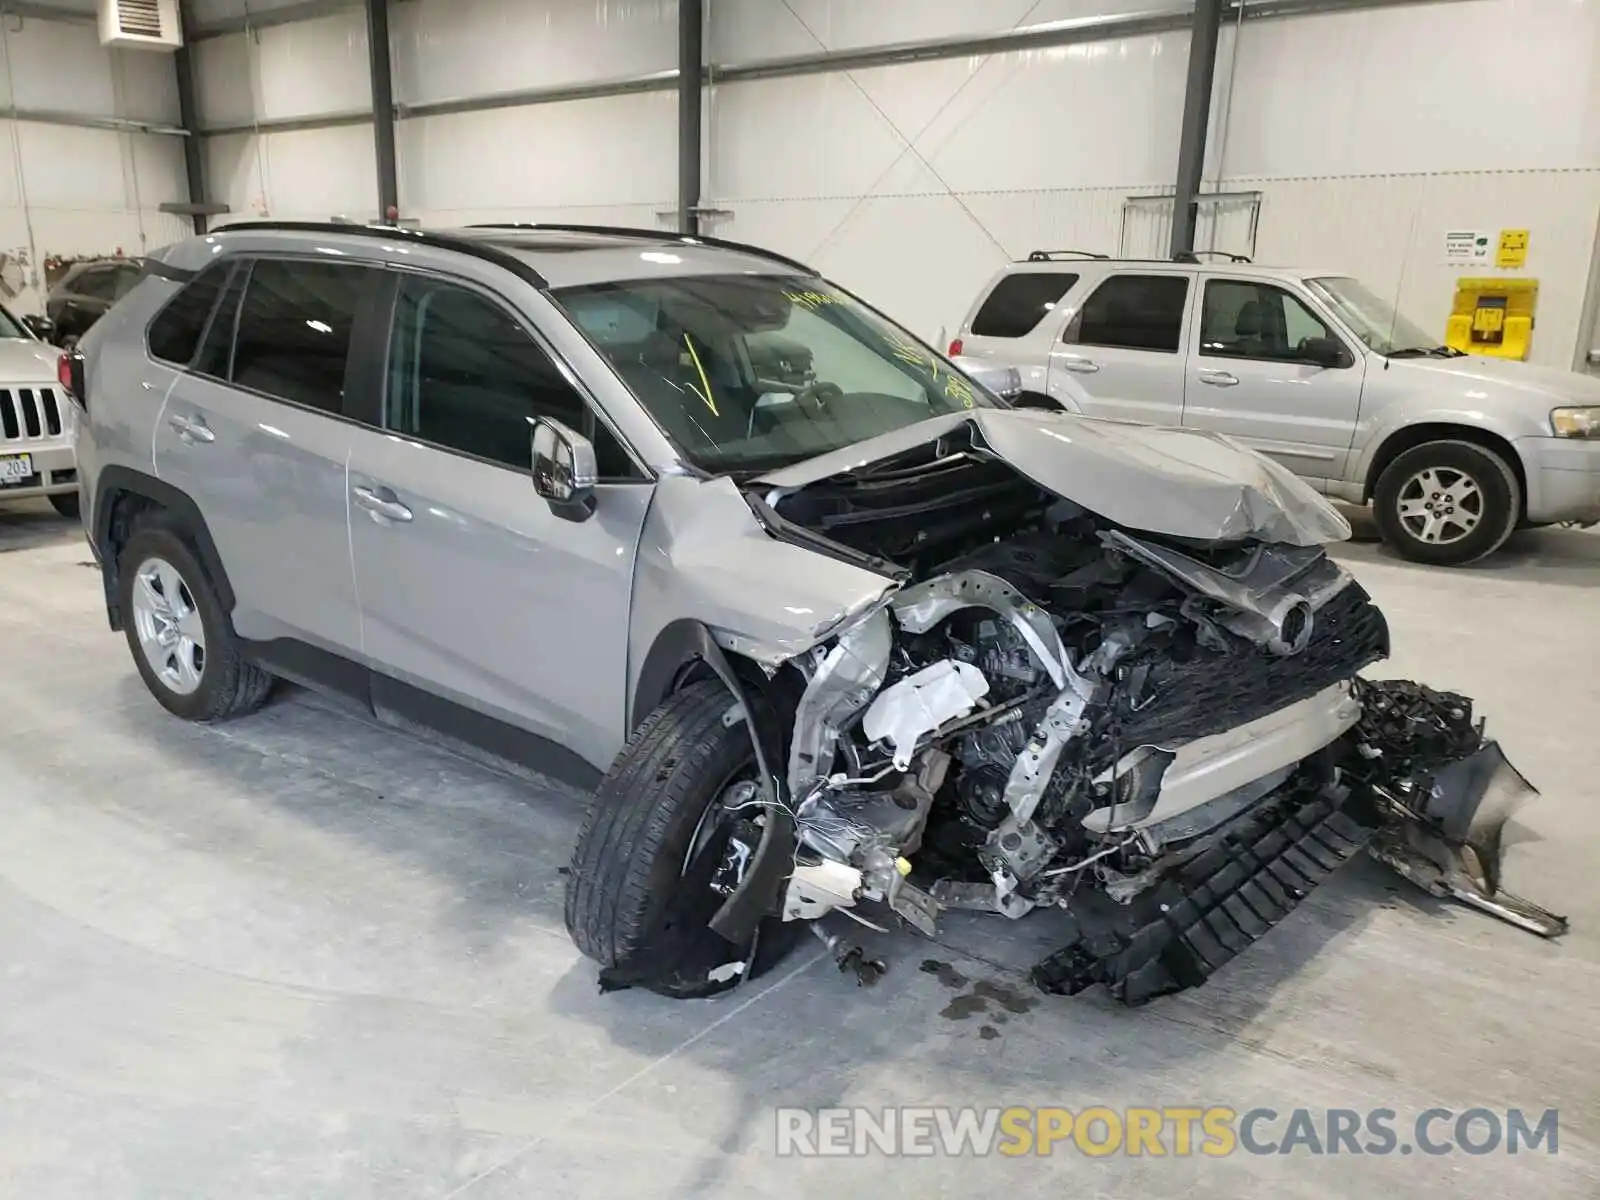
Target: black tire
229,685
1497,482
66,504
629,905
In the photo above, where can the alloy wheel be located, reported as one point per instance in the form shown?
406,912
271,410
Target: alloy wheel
167,620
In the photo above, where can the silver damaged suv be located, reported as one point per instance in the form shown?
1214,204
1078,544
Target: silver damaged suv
828,626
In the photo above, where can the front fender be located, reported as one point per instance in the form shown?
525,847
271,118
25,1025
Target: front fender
1397,422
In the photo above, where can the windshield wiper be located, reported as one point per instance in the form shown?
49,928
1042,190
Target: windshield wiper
1425,352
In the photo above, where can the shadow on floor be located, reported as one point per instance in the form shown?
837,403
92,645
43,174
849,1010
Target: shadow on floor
29,524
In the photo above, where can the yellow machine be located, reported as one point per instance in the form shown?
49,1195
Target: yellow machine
1493,317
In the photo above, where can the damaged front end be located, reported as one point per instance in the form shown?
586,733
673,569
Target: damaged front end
1162,733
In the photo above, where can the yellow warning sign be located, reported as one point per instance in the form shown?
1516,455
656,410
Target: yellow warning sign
1513,250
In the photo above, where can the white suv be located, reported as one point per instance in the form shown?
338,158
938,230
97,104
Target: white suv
36,421
1314,370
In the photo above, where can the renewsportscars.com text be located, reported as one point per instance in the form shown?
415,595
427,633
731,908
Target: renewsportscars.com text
1181,1131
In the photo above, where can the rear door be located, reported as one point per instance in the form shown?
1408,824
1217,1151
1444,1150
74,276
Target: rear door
472,590
1121,354
255,432
1249,376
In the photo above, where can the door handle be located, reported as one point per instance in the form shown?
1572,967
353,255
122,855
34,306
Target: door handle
1594,357
191,429
1082,366
1219,378
380,506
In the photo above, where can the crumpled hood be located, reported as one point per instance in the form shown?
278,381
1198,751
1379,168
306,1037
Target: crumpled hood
1179,482
27,361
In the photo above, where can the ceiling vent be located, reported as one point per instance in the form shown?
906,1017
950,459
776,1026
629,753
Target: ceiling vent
140,24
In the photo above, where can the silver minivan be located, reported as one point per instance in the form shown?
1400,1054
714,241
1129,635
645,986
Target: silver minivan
824,622
1314,370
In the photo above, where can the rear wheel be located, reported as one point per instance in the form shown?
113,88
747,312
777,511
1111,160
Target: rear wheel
1447,503
666,840
181,639
65,503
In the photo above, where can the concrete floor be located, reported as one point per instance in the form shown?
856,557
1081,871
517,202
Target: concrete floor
299,955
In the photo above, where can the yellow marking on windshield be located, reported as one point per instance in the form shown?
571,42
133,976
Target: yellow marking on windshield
705,382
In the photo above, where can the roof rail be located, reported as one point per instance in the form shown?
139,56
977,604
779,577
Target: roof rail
443,241
1193,256
659,235
1052,255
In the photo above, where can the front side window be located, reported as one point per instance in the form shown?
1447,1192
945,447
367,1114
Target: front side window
1020,301
294,330
752,372
1244,319
464,374
1133,312
175,333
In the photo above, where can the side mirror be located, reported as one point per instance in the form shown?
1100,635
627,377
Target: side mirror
564,470
42,328
1325,352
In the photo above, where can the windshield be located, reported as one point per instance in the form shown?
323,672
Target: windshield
1374,320
10,327
754,372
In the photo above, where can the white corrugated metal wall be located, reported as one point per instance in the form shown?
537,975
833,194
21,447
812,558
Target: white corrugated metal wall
68,192
1367,133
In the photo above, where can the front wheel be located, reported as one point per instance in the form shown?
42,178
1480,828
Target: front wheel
666,839
65,504
1447,503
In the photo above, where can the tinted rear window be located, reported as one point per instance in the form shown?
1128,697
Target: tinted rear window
294,330
1019,302
176,331
1135,312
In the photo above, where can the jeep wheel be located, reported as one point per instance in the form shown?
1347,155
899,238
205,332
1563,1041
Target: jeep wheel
664,842
1447,503
182,641
65,504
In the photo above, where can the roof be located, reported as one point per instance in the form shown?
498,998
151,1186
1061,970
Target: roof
567,255
1261,270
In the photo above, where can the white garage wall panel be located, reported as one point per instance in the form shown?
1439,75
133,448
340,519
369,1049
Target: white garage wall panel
451,49
71,192
912,184
609,160
1371,134
606,161
746,30
305,69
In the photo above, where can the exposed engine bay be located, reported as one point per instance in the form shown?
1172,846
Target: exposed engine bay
1166,737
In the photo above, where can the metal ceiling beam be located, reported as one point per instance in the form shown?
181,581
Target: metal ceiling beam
381,71
44,12
1196,118
50,116
691,76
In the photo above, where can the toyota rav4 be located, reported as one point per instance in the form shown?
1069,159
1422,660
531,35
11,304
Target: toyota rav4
830,626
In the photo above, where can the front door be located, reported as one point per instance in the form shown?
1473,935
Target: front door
1122,353
1249,377
472,590
254,431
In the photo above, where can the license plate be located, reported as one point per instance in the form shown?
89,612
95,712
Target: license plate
14,468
